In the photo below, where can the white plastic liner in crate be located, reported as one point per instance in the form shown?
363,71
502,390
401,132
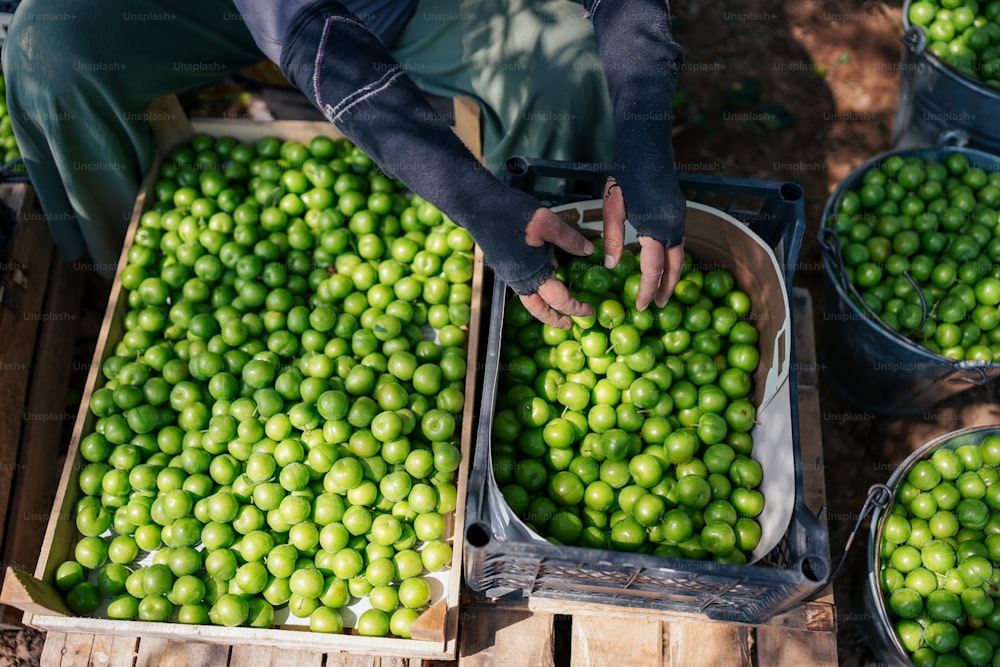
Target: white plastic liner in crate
717,239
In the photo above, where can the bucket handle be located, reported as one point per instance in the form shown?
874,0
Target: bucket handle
824,242
953,137
829,241
833,248
915,39
875,316
977,376
879,496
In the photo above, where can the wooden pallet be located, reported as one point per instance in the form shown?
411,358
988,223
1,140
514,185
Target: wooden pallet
39,311
539,632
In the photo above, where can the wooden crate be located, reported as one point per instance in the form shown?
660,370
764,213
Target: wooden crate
530,633
39,308
434,632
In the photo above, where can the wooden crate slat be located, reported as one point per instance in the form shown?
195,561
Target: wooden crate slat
250,131
23,285
467,124
169,123
41,440
616,641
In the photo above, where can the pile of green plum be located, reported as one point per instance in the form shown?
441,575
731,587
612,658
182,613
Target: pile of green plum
631,431
939,556
965,34
278,426
920,240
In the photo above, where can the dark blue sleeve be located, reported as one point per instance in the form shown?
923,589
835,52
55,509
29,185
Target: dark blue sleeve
351,77
641,64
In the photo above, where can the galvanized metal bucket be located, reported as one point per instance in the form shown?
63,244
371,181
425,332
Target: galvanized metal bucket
939,105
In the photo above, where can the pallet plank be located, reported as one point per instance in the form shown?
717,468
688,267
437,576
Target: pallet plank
814,616
165,653
779,646
343,659
271,656
109,651
66,649
599,641
496,636
711,644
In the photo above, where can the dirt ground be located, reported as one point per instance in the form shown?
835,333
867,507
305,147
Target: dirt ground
801,91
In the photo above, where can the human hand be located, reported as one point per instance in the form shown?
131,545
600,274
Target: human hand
552,303
660,266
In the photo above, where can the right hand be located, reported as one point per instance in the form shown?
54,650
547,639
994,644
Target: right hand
552,303
661,267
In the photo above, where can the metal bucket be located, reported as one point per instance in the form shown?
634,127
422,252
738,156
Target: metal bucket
940,105
883,640
868,363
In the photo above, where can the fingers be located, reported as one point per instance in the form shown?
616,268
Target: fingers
661,271
547,227
613,210
556,294
675,265
552,304
651,260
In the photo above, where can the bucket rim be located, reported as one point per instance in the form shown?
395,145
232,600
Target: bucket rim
831,264
942,66
877,522
921,452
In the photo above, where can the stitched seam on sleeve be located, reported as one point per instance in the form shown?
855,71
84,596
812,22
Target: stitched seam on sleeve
317,65
362,94
334,113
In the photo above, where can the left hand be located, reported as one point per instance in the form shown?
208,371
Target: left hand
660,266
552,303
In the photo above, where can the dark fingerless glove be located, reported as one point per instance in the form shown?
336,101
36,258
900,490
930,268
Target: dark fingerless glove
641,64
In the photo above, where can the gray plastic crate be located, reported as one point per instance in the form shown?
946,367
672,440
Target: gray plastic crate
501,559
7,9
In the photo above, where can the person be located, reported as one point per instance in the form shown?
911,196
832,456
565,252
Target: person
553,79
